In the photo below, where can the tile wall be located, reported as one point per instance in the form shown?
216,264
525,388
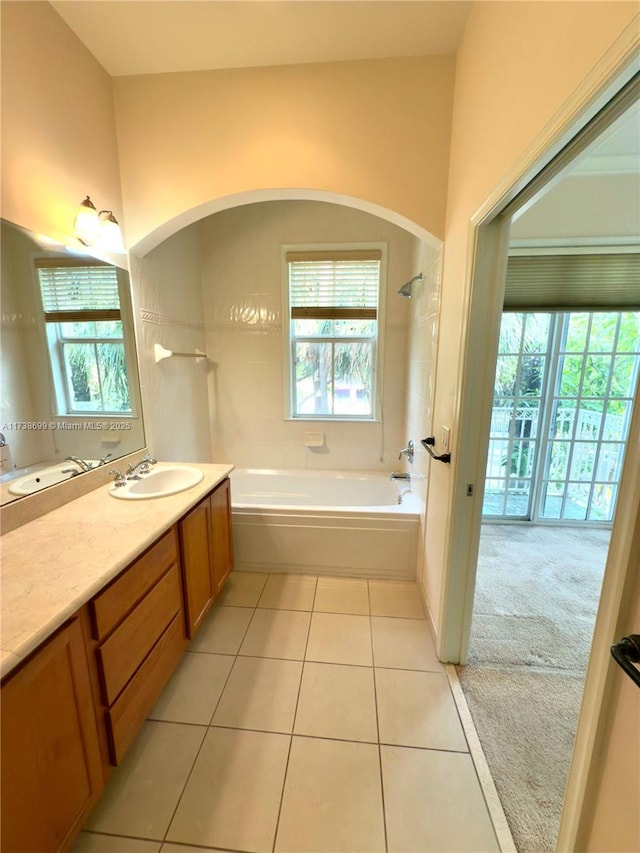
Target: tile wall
421,366
242,292
168,307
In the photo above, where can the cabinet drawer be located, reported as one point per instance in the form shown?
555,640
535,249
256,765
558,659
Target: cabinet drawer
123,652
111,606
139,696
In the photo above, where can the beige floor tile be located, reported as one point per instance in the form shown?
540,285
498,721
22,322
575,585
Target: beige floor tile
395,598
260,694
193,691
338,638
233,795
403,644
289,592
417,709
242,589
342,595
222,631
277,634
142,793
433,802
91,842
337,702
332,798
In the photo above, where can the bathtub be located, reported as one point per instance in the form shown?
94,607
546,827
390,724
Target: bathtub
324,523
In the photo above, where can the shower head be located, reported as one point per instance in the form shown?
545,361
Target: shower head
406,289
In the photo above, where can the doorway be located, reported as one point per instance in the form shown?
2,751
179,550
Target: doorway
562,406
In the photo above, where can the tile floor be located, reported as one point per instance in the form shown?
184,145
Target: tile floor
309,714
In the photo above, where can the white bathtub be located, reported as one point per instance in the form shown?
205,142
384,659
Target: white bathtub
324,522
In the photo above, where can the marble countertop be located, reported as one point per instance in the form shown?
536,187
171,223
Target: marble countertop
53,565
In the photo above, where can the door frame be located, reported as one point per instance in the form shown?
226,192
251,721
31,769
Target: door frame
484,284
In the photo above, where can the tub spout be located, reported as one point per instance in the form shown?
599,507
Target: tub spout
395,476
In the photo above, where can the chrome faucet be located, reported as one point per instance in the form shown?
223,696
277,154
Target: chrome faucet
141,467
84,466
104,459
119,479
408,451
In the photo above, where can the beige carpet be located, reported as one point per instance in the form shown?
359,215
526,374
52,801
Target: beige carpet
537,592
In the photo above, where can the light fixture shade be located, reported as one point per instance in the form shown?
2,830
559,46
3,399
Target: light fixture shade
110,233
86,225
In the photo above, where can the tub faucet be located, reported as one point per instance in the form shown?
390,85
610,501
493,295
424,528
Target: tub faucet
84,466
407,451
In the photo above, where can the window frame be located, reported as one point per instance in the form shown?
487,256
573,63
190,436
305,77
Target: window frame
54,340
289,339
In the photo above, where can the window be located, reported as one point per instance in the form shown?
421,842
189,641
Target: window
334,312
84,330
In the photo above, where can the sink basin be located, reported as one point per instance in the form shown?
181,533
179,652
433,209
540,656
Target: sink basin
159,483
30,483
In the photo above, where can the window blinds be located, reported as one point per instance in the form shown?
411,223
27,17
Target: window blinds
72,291
567,282
328,285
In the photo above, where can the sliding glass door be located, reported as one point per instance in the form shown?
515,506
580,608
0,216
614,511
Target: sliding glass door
562,402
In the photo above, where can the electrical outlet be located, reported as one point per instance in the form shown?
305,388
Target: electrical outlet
446,439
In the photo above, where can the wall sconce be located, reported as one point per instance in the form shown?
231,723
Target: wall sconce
98,228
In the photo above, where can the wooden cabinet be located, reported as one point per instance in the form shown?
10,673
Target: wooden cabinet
199,584
207,553
222,540
73,709
138,629
51,763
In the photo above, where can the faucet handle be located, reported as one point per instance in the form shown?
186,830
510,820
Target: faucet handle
119,478
408,451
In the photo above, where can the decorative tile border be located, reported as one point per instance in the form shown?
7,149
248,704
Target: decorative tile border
161,320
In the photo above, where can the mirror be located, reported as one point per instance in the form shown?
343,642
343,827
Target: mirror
70,390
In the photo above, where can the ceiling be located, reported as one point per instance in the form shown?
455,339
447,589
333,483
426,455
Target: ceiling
596,196
132,37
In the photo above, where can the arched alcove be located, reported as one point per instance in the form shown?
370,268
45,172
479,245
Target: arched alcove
216,205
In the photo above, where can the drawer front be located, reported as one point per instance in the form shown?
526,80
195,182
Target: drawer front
110,607
123,652
139,696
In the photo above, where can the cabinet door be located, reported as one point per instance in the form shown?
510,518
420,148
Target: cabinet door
199,587
51,765
222,536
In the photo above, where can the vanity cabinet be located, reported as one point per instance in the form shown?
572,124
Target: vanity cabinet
51,761
138,639
207,553
71,711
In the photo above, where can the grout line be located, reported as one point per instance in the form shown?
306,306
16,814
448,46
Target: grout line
375,702
483,772
293,725
197,755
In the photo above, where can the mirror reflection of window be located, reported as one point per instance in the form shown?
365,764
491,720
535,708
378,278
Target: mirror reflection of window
81,305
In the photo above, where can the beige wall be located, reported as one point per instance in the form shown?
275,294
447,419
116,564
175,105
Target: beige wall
613,814
375,130
58,125
517,65
242,287
584,206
